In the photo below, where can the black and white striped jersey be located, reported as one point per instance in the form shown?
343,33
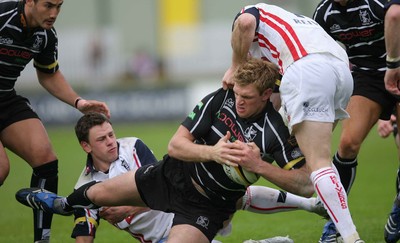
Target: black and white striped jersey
213,117
20,44
359,26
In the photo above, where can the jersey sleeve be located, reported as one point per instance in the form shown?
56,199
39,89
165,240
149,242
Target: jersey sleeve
283,147
378,8
251,10
391,2
200,120
86,222
319,15
47,60
144,153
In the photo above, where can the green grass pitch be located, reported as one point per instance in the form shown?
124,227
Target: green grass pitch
370,199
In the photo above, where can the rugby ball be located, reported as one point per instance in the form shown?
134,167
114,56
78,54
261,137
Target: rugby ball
240,175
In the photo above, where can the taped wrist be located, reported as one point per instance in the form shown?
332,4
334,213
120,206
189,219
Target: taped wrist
392,62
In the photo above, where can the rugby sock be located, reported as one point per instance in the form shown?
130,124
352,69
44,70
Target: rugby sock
265,200
44,176
331,192
78,198
347,169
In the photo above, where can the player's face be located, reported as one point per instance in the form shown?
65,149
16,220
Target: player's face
102,146
249,102
42,13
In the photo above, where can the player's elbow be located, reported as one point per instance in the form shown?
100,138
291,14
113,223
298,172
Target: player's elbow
393,14
172,151
246,22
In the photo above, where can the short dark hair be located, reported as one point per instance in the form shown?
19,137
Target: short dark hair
86,122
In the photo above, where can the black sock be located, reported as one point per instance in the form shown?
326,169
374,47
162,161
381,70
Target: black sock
44,176
78,198
347,169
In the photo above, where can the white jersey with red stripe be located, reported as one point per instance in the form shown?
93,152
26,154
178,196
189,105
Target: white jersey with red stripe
149,226
283,37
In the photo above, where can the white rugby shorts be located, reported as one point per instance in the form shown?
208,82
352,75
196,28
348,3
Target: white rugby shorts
316,88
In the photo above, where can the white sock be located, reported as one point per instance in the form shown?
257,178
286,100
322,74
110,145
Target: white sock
265,200
331,192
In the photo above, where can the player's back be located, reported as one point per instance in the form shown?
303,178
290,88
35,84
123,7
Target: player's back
289,36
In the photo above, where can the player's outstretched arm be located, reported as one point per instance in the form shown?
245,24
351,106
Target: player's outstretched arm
56,84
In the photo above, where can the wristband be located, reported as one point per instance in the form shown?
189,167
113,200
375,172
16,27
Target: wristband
392,59
76,102
392,65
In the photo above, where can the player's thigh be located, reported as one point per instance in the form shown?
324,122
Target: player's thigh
117,191
364,113
186,233
29,140
314,139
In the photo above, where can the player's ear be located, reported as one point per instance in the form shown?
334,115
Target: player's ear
29,2
266,94
86,147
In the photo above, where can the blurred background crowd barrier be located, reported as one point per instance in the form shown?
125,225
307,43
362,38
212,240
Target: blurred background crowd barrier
147,52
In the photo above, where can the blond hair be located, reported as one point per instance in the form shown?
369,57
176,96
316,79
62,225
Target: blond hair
262,73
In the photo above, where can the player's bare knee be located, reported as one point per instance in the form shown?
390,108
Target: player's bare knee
349,148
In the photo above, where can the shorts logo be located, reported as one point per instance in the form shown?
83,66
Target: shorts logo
310,111
203,221
296,153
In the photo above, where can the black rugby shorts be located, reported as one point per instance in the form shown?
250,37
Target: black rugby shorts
14,108
372,86
167,186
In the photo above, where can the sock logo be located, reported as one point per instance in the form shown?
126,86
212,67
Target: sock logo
340,192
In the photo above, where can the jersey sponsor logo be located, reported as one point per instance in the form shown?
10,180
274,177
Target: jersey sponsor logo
203,221
15,53
356,34
231,124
